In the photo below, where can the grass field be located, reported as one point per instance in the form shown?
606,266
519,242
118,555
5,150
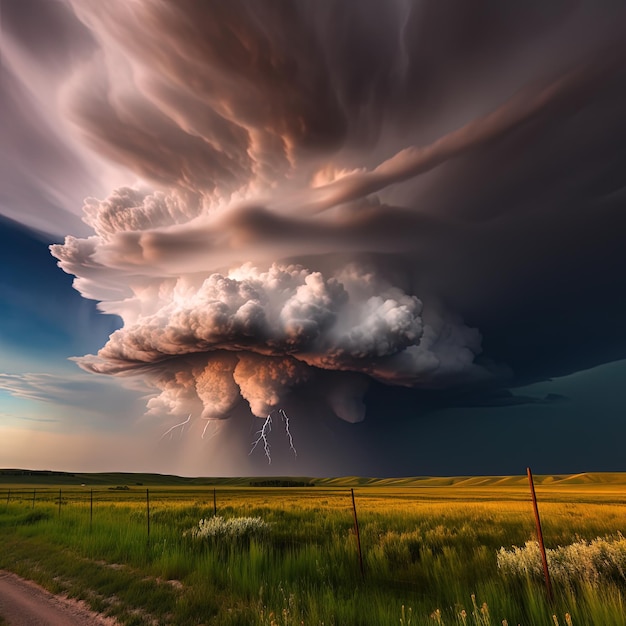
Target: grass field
429,548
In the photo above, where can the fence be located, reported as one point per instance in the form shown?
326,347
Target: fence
91,499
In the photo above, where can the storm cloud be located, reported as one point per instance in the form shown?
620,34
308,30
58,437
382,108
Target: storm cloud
415,194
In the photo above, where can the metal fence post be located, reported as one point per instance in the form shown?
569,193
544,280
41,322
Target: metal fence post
356,532
542,546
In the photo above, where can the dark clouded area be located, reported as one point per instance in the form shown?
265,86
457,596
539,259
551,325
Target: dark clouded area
407,204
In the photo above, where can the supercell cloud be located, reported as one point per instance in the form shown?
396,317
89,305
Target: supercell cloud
338,193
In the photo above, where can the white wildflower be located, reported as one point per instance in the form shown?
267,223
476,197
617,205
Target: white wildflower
229,528
581,561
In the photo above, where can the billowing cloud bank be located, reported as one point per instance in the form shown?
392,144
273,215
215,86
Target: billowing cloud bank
325,201
208,335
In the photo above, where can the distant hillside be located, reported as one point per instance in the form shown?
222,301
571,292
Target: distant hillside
600,478
43,477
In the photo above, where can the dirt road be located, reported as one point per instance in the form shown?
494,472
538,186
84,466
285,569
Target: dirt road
23,603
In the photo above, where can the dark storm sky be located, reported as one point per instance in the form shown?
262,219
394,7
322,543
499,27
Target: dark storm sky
400,222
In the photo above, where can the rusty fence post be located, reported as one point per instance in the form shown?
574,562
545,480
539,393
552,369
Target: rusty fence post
356,532
542,546
148,511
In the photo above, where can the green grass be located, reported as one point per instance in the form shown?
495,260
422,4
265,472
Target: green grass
428,545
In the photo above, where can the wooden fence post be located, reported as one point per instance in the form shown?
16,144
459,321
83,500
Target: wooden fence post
358,536
34,493
542,546
8,497
148,511
91,508
214,503
59,503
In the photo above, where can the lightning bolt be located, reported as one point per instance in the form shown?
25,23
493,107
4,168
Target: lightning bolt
262,436
286,422
216,430
181,426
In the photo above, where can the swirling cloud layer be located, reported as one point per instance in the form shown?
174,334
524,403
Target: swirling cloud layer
341,192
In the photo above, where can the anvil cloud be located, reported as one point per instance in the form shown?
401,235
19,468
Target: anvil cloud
424,195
